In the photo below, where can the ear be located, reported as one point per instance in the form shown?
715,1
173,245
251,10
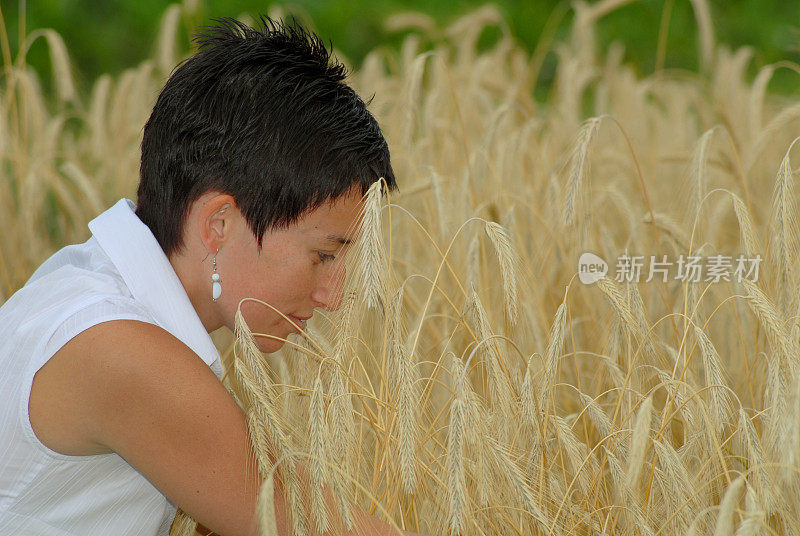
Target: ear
216,217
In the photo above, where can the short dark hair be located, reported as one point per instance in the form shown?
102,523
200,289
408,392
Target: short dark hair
262,114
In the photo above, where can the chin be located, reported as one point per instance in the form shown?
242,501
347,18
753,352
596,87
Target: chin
269,346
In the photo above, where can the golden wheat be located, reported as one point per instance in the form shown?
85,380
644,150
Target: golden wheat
443,403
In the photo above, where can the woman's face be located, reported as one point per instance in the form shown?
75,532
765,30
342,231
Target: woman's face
298,269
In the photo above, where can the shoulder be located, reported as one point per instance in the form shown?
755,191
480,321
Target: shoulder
106,372
76,277
134,389
74,289
87,260
131,354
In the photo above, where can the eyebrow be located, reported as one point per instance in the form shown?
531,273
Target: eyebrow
338,239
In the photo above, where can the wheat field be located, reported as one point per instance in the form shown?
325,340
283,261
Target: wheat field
471,384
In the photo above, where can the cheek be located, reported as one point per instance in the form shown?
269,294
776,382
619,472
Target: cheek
292,283
261,318
283,278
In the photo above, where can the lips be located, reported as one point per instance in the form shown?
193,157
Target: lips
299,321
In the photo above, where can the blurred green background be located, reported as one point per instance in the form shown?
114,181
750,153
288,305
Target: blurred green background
111,35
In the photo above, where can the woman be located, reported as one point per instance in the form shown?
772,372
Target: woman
254,161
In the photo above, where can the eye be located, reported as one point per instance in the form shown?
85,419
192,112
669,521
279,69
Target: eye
325,257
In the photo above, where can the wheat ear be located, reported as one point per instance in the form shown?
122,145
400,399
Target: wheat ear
500,390
516,477
748,235
341,409
407,403
552,354
579,169
715,379
319,449
783,229
639,441
372,262
263,418
750,446
596,414
456,489
508,267
267,523
753,517
183,525
731,498
59,59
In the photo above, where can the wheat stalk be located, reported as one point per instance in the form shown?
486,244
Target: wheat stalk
639,442
715,379
59,59
519,452
753,516
456,486
579,168
267,523
733,494
183,525
396,351
746,230
508,267
319,449
783,229
167,44
754,453
679,486
597,415
341,411
407,403
500,390
552,354
264,420
507,467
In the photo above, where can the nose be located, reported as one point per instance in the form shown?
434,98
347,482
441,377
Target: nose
328,292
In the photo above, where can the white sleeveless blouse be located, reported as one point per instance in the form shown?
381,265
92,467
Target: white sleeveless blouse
119,273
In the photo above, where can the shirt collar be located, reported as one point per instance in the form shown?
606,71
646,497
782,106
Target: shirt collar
151,279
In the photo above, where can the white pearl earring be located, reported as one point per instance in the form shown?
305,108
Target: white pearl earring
216,287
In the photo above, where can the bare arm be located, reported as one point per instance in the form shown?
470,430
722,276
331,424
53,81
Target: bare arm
132,388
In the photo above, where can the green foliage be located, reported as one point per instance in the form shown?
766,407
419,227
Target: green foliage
109,36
